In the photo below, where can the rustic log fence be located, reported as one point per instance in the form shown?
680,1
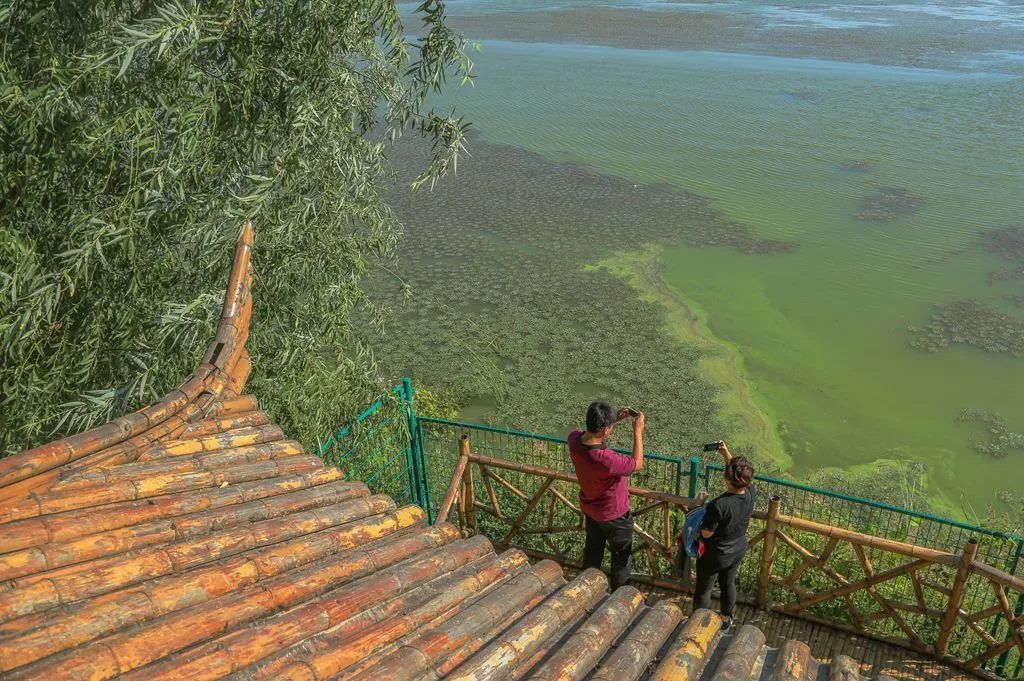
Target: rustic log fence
897,592
830,557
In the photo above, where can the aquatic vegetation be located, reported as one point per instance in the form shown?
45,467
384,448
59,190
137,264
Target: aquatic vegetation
1001,439
889,204
969,322
1007,242
895,481
506,315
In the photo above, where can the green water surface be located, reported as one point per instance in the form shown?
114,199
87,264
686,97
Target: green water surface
821,332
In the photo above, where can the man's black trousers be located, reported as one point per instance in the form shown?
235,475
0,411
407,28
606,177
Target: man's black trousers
618,534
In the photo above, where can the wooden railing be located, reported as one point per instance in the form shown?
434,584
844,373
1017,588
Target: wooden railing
950,606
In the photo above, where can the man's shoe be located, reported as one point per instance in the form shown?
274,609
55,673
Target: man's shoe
726,625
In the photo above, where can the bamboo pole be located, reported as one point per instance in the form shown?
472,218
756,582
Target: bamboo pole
342,599
237,405
869,541
635,652
689,651
811,599
91,578
469,492
738,662
843,668
956,598
210,461
527,635
490,492
681,502
97,495
793,662
521,518
578,655
768,552
68,526
351,545
996,575
453,490
51,556
241,437
479,577
220,424
418,653
239,373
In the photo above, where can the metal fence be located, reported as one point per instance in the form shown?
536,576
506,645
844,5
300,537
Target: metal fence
412,458
381,448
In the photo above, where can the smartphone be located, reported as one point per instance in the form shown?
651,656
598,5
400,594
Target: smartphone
712,446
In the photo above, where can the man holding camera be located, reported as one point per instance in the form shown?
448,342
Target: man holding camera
603,476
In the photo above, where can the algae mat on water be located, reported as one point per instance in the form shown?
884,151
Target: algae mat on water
515,311
876,185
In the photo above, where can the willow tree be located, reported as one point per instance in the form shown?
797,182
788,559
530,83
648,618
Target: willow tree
135,138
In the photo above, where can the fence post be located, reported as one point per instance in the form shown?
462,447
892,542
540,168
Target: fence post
694,475
413,458
462,506
424,468
468,493
956,597
768,552
455,485
1000,669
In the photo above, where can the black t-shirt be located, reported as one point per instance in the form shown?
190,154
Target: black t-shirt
728,516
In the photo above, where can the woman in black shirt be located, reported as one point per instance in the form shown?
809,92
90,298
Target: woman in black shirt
725,535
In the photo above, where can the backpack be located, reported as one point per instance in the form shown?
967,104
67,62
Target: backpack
689,538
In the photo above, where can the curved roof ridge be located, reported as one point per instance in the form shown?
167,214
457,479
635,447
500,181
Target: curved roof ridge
223,371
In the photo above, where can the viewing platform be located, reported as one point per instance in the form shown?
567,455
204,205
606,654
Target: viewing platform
193,540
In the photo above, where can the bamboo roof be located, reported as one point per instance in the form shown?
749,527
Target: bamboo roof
192,539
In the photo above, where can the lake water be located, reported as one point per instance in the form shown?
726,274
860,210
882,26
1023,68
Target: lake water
877,142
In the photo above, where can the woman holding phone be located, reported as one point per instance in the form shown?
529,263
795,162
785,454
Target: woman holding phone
724,531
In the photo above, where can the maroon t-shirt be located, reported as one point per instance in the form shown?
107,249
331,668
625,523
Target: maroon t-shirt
603,475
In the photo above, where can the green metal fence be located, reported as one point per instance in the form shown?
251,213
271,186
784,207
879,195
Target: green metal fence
412,458
381,448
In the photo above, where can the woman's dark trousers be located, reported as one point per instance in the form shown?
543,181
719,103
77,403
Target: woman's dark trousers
723,569
618,534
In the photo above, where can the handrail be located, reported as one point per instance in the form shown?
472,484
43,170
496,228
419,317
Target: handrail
792,484
881,505
537,436
779,533
681,502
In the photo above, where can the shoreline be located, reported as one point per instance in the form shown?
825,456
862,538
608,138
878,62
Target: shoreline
721,364
753,424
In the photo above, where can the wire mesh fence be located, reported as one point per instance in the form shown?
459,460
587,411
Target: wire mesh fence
377,448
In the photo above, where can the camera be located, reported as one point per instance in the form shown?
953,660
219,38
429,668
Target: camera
713,446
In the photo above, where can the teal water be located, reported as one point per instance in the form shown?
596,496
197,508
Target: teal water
790,117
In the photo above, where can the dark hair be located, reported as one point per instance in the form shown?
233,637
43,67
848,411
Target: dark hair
740,472
599,415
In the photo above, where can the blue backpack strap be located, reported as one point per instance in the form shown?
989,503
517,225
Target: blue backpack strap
691,531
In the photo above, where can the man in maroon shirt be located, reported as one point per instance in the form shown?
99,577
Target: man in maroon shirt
603,475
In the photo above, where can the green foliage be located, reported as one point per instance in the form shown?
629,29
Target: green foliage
136,138
439,404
